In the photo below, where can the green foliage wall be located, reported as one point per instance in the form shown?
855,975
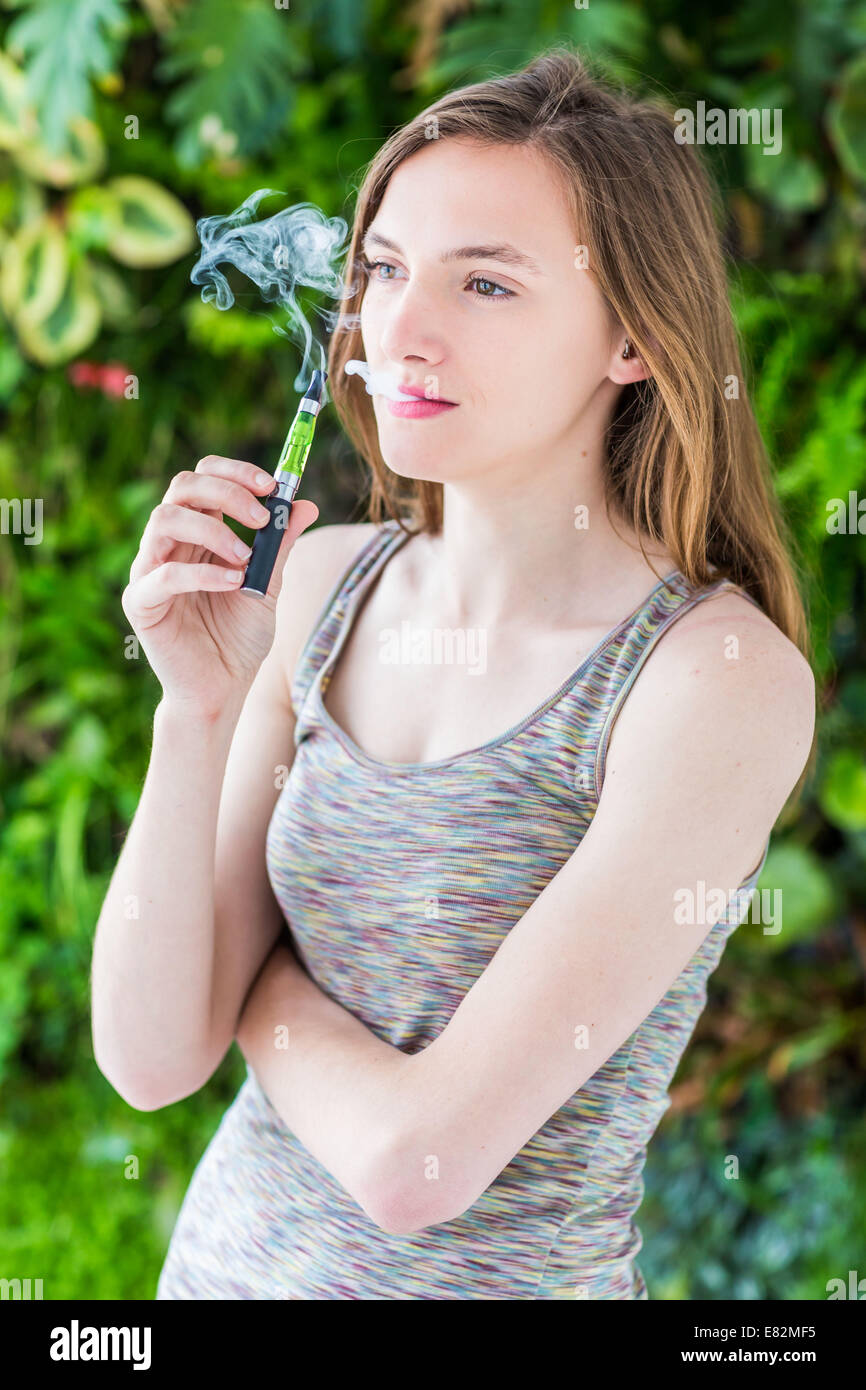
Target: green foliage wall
120,124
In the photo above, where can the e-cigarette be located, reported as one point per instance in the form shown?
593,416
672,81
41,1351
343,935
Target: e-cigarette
288,474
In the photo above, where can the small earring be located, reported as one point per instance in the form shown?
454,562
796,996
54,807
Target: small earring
627,349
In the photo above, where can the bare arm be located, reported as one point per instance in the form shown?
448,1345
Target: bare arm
190,916
153,950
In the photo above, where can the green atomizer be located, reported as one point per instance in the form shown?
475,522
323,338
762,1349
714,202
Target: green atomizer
287,475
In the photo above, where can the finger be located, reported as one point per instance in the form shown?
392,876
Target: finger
213,492
146,601
170,524
239,470
243,472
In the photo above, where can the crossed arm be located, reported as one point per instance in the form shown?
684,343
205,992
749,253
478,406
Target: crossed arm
707,751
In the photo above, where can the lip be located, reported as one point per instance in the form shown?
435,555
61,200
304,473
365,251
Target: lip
420,409
422,395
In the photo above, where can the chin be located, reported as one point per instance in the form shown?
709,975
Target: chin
422,473
423,468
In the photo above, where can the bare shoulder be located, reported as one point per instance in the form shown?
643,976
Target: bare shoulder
317,562
736,636
320,552
726,673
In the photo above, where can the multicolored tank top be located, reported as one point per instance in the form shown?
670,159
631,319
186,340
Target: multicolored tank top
399,882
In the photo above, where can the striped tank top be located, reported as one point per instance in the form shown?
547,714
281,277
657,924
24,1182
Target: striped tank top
399,882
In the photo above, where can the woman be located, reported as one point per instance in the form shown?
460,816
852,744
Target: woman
504,937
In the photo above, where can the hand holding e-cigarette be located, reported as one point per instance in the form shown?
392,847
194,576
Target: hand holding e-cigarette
204,642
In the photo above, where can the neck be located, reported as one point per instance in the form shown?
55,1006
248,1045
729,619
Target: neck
519,549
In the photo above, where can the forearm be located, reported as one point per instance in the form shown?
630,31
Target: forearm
154,943
335,1085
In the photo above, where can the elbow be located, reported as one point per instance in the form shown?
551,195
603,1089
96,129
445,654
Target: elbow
151,1082
403,1192
142,1092
136,1096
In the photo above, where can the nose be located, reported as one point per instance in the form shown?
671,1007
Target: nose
409,326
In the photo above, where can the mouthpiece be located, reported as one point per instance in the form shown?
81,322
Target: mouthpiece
315,388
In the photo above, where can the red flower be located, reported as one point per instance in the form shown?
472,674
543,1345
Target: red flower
83,373
113,379
108,377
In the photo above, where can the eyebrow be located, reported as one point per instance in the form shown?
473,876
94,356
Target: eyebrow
501,251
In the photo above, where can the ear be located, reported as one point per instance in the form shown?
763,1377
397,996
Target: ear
622,370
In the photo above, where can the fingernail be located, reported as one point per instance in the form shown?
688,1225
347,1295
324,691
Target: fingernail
241,550
262,479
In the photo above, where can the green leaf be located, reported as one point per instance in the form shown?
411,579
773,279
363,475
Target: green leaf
789,181
237,59
63,43
843,790
115,299
615,29
12,369
343,20
83,157
811,1047
34,270
69,327
91,217
13,103
615,34
150,226
794,893
846,119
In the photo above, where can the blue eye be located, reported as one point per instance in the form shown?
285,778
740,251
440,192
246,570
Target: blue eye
370,266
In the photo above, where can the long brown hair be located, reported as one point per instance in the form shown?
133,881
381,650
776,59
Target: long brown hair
685,462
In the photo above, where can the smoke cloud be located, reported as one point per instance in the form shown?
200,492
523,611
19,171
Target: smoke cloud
298,246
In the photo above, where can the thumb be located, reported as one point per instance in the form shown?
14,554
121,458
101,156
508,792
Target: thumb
302,515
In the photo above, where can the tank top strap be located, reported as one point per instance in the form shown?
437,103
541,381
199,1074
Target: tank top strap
329,624
612,676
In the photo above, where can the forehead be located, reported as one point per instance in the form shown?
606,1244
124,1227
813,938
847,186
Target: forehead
455,191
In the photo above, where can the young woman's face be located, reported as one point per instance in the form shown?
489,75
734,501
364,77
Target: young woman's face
521,354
